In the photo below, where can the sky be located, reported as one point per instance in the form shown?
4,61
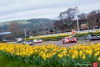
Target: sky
27,9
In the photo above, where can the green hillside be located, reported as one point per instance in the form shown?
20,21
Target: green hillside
19,21
34,24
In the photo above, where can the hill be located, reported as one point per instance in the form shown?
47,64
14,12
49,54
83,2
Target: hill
19,21
40,23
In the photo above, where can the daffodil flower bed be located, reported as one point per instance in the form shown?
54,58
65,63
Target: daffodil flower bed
51,55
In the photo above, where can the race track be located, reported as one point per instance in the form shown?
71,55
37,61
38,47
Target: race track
67,45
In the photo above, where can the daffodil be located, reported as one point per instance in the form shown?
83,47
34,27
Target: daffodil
98,58
60,55
84,56
73,56
96,54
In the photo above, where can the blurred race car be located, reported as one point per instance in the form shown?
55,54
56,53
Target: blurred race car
92,37
37,40
69,40
28,42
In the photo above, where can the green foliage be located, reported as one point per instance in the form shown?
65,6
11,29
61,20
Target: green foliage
8,60
80,35
50,38
11,62
85,34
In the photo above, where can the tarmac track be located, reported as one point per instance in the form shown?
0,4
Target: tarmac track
67,45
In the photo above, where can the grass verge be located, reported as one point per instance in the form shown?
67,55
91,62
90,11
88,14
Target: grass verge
7,62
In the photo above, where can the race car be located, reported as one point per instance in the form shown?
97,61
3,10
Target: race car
37,40
69,40
92,37
28,42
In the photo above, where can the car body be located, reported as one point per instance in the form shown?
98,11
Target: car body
37,40
69,40
92,37
28,42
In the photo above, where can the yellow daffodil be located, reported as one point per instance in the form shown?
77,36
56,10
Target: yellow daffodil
98,58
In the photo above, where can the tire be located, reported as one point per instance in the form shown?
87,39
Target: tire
87,40
30,44
63,42
75,42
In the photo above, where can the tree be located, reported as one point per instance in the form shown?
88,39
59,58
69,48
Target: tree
65,19
98,17
14,29
91,18
68,16
82,16
59,25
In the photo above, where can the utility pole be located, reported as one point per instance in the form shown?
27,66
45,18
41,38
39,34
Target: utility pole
76,8
25,32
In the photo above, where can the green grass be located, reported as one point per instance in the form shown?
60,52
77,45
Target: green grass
7,62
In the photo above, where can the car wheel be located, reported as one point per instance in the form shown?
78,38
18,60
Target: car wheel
87,40
75,42
63,42
31,44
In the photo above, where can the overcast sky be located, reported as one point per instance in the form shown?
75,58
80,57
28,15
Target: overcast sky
26,9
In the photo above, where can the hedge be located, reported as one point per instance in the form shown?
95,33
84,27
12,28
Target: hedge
60,36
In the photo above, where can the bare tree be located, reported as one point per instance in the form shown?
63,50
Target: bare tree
82,20
82,16
65,19
68,16
59,24
91,18
14,28
98,17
